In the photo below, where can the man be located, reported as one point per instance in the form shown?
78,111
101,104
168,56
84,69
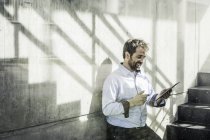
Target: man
126,92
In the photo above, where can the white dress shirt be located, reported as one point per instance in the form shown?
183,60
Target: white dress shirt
121,85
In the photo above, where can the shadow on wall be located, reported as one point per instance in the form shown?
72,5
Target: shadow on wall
41,103
24,105
96,103
206,66
103,71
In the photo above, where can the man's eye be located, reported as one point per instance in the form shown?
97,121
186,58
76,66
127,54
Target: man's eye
141,57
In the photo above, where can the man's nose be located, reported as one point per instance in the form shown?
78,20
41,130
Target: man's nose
140,60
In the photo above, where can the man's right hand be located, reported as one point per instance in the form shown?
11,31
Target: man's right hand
138,100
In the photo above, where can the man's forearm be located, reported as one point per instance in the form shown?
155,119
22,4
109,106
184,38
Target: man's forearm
113,108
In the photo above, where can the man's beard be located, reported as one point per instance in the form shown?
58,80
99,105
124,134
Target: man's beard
135,66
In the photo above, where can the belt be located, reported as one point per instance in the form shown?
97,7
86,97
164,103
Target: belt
118,127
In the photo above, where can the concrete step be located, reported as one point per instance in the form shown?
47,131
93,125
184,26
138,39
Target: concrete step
14,75
196,113
200,95
203,79
187,131
14,107
68,129
14,70
8,61
26,105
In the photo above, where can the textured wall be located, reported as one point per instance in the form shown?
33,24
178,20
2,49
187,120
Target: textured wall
55,54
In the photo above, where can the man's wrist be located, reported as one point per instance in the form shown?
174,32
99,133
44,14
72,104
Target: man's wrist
131,103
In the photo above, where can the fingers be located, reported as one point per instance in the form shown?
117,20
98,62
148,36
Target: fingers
141,92
142,97
139,99
167,94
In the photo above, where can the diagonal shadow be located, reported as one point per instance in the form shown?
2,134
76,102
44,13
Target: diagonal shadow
101,16
159,71
47,51
116,19
61,32
154,119
74,15
56,28
157,80
160,124
73,44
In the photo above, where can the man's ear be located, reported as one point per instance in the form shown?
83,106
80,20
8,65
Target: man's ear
127,55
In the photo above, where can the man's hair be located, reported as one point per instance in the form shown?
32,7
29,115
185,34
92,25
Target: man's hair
131,45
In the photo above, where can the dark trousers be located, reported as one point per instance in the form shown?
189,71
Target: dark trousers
141,133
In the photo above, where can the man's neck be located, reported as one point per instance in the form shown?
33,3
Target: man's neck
127,66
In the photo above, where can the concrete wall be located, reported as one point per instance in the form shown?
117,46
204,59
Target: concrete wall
203,33
55,55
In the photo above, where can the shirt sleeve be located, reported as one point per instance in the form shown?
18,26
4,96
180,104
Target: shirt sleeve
109,95
154,103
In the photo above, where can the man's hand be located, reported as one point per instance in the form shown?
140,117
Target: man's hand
164,94
138,100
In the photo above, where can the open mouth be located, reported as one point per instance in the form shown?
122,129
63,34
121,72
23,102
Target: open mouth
138,64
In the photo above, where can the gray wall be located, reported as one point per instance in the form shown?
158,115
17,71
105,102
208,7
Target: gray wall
55,55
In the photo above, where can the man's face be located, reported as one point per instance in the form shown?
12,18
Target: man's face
136,60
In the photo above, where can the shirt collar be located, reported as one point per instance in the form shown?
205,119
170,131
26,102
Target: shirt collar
126,71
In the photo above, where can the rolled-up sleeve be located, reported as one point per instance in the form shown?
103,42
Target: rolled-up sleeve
109,95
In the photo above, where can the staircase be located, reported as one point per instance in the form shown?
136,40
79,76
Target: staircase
30,110
23,104
194,116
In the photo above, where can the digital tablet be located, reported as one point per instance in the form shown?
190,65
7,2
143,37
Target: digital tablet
168,90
